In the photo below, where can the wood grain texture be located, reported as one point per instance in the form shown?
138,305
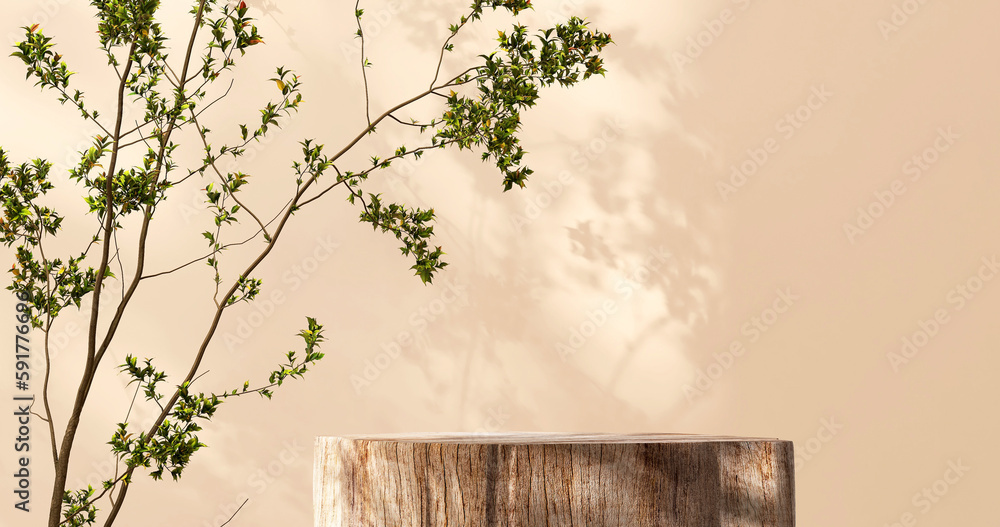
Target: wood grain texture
553,480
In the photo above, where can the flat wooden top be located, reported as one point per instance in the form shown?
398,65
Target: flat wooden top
546,437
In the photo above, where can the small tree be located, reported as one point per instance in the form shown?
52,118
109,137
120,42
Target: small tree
175,95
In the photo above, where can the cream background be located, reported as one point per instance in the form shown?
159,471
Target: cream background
488,360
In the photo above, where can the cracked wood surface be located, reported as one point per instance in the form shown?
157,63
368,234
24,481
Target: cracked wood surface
553,480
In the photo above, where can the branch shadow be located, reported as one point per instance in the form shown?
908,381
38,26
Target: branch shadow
646,193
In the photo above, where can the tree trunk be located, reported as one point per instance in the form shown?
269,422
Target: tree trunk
550,480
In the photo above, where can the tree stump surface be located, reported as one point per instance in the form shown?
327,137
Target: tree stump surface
553,480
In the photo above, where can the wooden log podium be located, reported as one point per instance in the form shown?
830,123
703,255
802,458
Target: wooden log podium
553,480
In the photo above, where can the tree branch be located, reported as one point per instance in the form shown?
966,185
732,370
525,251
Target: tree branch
234,514
364,62
48,323
222,178
196,260
62,464
437,71
391,158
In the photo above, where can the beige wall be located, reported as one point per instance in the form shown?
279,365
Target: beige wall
623,234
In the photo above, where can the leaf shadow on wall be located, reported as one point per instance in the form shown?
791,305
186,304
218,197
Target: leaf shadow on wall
645,193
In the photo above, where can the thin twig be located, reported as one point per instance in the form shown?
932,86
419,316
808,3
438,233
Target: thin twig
394,118
394,157
196,260
444,46
222,179
237,510
364,63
